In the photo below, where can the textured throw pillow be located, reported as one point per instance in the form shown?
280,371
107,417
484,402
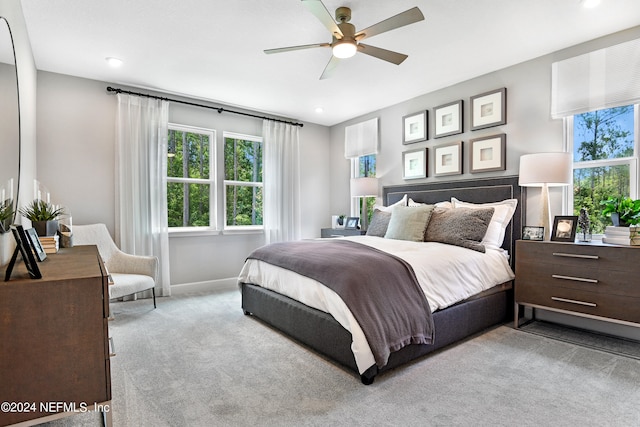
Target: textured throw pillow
464,227
409,223
379,223
501,217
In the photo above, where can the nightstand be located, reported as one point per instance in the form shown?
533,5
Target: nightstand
339,232
592,280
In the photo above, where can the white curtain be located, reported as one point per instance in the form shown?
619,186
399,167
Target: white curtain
361,139
604,78
281,182
141,189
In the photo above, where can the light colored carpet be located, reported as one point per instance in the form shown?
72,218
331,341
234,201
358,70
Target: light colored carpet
198,361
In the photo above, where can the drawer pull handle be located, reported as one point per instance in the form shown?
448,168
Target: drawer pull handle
572,301
112,348
575,255
577,279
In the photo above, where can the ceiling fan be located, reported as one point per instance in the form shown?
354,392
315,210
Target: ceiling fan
346,41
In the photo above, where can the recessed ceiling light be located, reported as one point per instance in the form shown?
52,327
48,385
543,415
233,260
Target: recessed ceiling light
114,62
319,110
589,4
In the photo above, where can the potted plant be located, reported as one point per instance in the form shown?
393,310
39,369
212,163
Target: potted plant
624,211
43,217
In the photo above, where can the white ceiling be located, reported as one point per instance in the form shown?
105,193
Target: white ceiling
213,49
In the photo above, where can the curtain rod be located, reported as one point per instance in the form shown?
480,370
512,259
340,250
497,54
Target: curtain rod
220,110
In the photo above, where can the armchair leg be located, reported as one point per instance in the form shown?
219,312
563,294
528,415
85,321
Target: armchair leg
153,290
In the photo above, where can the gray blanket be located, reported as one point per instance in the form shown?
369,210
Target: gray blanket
381,290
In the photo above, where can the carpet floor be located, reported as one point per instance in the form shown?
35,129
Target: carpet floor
197,360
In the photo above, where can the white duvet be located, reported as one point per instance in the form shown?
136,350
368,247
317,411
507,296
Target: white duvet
447,274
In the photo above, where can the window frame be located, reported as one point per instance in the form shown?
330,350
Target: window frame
356,202
211,181
631,161
225,183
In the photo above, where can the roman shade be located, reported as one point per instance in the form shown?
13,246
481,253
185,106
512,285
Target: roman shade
604,78
361,139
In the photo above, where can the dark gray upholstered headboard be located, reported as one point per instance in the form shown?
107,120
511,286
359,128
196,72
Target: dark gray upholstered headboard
481,190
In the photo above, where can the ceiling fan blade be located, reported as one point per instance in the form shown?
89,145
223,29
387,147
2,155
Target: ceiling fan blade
329,69
384,54
400,20
290,48
320,11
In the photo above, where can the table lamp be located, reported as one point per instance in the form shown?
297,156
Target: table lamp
545,170
363,188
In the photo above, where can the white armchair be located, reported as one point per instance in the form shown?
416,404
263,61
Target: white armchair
130,273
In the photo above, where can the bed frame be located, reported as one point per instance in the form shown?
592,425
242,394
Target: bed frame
321,332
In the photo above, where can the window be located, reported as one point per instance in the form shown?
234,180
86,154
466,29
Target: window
605,150
364,166
243,180
191,177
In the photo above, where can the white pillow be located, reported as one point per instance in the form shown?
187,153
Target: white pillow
401,202
499,221
445,204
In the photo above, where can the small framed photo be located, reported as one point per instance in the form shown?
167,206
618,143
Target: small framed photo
448,119
351,223
489,109
414,128
488,153
415,164
23,247
34,240
564,228
448,159
532,233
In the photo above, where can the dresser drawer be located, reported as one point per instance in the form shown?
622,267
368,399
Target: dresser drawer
618,258
595,280
581,301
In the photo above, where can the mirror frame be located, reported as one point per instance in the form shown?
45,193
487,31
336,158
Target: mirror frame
17,193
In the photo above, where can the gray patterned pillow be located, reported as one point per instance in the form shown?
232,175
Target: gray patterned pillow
464,227
379,223
409,223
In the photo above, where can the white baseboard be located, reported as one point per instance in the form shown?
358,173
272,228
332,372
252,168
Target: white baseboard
228,284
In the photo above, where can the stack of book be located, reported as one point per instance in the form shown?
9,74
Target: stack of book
50,244
629,236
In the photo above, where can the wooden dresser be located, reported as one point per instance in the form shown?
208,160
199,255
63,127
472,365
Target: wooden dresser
54,340
590,280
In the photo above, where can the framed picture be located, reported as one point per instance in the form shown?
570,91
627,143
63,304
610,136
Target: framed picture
23,247
38,250
489,109
448,159
564,228
488,153
532,233
447,119
414,128
415,164
351,223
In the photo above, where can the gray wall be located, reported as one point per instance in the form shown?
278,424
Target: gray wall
529,127
76,128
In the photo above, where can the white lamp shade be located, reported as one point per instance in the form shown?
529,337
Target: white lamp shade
552,169
364,187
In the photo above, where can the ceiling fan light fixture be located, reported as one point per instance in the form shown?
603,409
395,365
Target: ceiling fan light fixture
344,49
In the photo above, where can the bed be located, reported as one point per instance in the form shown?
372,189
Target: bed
335,339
